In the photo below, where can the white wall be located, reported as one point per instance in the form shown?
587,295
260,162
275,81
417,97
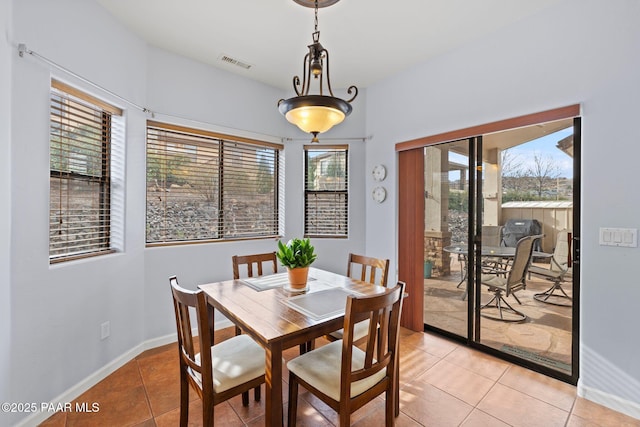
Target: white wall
56,311
220,101
5,194
578,51
50,315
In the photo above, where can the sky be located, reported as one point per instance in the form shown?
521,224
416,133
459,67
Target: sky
544,147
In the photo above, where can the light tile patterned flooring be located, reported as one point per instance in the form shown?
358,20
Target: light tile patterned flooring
442,384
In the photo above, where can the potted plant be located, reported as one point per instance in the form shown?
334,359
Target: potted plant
297,255
428,266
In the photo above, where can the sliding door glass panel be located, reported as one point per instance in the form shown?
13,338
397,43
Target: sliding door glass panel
446,183
527,189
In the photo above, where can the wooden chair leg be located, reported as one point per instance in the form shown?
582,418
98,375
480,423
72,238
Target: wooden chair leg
293,401
207,412
245,398
256,394
396,390
389,412
345,418
184,399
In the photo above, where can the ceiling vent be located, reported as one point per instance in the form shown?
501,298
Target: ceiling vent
232,61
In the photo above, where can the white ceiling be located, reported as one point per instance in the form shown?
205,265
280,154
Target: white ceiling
368,40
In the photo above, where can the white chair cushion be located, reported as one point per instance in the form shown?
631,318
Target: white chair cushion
235,361
321,369
360,330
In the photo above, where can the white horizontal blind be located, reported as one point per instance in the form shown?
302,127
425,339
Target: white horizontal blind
326,191
203,187
80,181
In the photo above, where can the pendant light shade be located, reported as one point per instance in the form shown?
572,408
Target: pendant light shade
315,114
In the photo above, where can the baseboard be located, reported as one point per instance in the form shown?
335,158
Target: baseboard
72,393
611,401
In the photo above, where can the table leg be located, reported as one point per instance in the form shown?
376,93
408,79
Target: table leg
273,379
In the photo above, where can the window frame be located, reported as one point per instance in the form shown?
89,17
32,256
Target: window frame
344,205
61,94
219,142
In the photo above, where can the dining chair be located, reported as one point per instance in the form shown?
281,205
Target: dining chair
372,270
369,270
217,372
508,283
255,260
558,269
250,262
254,265
346,376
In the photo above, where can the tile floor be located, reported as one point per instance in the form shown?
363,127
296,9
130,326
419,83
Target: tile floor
545,335
442,384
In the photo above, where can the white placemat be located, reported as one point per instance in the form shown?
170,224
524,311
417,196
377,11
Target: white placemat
322,304
270,281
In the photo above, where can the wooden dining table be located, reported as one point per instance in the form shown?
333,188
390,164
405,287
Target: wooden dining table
278,319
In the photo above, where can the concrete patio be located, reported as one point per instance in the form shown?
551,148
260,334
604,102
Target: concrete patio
544,337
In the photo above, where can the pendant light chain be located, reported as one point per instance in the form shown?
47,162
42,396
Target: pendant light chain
316,18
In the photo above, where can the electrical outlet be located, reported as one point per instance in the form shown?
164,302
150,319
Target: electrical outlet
105,330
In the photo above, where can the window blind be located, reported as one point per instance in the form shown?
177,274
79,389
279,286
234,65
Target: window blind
202,186
326,191
80,183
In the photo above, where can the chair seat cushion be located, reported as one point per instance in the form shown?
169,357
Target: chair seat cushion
321,369
235,361
360,330
546,272
494,281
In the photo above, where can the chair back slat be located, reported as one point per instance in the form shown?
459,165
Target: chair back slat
254,261
370,269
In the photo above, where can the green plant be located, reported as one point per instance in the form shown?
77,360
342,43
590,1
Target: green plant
296,253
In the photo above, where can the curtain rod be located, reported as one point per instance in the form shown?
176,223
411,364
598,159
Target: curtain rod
22,49
353,138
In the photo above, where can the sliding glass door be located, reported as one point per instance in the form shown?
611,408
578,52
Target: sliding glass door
484,195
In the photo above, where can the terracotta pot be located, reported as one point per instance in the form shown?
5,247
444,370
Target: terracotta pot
298,277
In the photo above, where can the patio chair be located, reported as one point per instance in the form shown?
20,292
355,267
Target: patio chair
492,236
558,269
512,281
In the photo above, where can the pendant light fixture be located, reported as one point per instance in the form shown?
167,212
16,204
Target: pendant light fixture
318,113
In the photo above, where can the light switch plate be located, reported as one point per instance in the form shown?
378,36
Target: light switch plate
625,237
